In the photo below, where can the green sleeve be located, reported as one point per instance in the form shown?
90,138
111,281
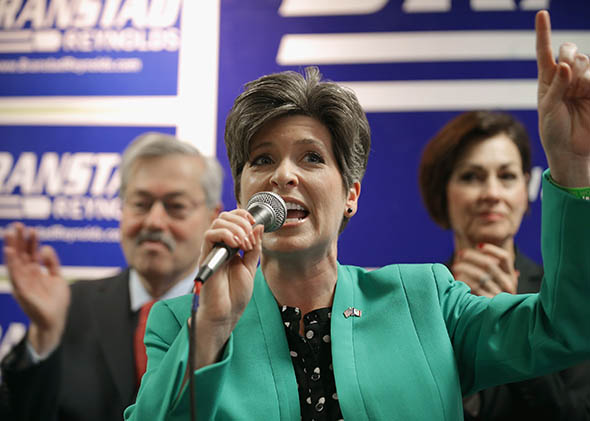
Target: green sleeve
513,337
160,396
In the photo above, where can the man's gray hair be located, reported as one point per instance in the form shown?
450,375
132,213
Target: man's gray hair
154,145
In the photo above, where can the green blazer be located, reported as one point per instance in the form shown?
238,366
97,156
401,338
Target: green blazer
421,343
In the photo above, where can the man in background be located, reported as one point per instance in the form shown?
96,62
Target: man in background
83,355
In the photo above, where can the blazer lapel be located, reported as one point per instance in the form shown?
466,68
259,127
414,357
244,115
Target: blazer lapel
343,356
274,337
115,325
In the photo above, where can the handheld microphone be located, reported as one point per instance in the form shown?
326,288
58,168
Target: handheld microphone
268,209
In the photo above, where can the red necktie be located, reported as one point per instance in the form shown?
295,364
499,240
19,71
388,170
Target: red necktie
138,345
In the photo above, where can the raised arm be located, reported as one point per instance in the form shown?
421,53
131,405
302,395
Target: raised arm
564,107
38,287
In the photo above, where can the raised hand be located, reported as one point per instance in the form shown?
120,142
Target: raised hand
225,295
38,287
564,107
488,270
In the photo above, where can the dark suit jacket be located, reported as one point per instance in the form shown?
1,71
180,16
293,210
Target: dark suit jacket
91,376
559,396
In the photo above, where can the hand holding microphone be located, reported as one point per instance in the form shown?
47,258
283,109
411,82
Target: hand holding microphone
230,277
265,208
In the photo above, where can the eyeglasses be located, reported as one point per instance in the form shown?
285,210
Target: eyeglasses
176,207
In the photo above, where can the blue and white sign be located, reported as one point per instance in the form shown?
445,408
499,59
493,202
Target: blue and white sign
78,80
89,47
66,189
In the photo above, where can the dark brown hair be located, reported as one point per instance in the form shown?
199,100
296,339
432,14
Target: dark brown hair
442,152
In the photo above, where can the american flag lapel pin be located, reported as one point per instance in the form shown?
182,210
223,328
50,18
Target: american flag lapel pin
351,311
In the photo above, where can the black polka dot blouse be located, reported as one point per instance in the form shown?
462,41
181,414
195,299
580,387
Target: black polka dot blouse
312,360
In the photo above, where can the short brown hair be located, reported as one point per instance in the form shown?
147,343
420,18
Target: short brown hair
290,93
442,152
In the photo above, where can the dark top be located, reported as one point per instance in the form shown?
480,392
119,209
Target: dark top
312,361
564,395
91,375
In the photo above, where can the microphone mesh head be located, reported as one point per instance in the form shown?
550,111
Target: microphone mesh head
276,203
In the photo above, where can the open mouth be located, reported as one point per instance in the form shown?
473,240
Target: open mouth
295,212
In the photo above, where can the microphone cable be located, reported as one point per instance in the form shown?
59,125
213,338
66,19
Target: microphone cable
191,347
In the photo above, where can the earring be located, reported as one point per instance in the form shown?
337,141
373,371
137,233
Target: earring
349,210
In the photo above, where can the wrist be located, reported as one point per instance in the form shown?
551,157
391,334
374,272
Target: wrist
210,340
42,342
579,192
570,172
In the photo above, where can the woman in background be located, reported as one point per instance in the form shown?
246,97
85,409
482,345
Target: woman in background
481,160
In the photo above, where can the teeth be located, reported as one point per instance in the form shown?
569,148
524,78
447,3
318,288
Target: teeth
294,206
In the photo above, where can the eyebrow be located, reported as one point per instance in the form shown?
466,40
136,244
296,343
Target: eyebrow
302,141
171,195
470,165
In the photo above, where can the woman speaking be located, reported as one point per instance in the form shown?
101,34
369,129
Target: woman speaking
302,337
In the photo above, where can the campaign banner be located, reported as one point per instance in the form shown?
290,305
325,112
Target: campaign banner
66,189
89,47
413,64
78,80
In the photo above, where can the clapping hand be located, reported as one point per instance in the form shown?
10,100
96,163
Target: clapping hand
488,270
38,286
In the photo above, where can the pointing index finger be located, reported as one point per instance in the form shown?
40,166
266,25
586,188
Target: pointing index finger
545,61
